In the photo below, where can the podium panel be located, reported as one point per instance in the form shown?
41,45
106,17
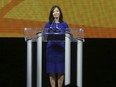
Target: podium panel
40,35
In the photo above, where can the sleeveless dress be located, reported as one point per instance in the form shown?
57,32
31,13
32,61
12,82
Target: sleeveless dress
55,51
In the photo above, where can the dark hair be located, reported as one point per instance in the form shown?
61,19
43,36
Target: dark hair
51,18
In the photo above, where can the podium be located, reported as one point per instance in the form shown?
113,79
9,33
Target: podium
40,35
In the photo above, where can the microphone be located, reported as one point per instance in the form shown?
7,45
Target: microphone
52,24
50,30
57,28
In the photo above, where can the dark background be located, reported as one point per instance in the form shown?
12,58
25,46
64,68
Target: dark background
99,62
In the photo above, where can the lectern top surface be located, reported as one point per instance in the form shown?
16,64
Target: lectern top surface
48,34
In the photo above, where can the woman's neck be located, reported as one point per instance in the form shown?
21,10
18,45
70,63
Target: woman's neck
56,20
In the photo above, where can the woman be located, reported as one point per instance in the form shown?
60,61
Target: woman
55,52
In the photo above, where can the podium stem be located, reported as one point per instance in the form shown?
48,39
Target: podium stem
67,60
29,63
79,63
39,60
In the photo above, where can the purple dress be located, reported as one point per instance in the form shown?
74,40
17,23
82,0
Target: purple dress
55,51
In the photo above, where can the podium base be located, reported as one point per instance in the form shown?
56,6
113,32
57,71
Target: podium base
70,85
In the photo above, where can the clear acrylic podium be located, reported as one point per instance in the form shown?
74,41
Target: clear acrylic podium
39,36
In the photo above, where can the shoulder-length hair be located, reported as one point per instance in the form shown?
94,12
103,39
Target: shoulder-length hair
51,18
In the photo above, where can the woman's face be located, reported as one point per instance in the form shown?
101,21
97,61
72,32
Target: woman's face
56,13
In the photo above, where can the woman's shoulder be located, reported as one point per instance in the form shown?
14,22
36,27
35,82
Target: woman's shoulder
65,24
47,25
